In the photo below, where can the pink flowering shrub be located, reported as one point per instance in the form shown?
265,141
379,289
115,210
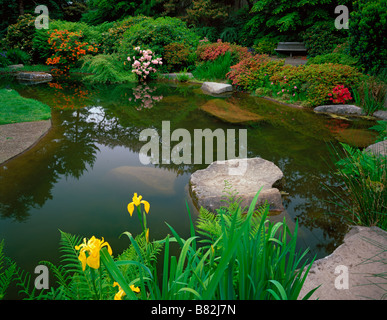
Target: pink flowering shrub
144,63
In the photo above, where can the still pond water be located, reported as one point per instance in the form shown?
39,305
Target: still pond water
80,177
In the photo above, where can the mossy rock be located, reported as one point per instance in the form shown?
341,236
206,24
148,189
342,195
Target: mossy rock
229,112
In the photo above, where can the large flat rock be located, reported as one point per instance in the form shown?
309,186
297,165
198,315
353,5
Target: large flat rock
216,88
15,138
207,185
379,148
33,76
341,109
354,271
381,114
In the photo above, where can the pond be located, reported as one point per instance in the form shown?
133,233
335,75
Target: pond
80,177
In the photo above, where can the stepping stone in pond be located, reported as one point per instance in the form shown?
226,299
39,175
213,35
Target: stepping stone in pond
207,185
229,112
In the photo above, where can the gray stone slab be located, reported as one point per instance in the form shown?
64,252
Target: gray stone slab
342,109
246,176
216,88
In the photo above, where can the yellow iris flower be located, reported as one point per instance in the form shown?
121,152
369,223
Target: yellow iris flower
93,247
121,293
137,202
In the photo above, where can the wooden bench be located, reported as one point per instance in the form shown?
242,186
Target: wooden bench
291,47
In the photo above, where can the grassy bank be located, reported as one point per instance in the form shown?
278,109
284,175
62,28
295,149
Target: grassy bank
14,108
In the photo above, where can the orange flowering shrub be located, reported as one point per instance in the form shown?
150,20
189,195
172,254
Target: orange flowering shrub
67,49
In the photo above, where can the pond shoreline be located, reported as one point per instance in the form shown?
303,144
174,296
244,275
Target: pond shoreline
33,132
17,138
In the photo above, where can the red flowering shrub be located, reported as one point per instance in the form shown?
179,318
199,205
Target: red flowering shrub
319,80
211,51
67,49
340,94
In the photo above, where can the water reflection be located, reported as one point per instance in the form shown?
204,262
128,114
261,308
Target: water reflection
144,96
87,166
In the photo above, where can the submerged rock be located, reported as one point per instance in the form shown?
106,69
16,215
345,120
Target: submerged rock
246,176
216,88
229,112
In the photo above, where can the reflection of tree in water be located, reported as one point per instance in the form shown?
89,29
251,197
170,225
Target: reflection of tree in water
67,150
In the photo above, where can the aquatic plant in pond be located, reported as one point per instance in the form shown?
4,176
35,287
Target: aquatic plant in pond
248,257
362,176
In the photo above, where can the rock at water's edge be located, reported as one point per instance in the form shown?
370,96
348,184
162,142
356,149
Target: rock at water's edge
216,88
343,109
246,176
380,114
379,148
33,76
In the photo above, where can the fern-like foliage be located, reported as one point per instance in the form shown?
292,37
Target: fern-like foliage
209,223
149,252
106,68
8,270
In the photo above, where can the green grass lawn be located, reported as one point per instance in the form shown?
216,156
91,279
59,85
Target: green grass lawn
14,108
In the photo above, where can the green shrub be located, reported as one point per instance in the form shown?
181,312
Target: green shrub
207,32
214,69
16,56
155,34
337,58
368,23
20,35
112,32
323,38
176,56
4,61
106,68
266,45
41,47
370,95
